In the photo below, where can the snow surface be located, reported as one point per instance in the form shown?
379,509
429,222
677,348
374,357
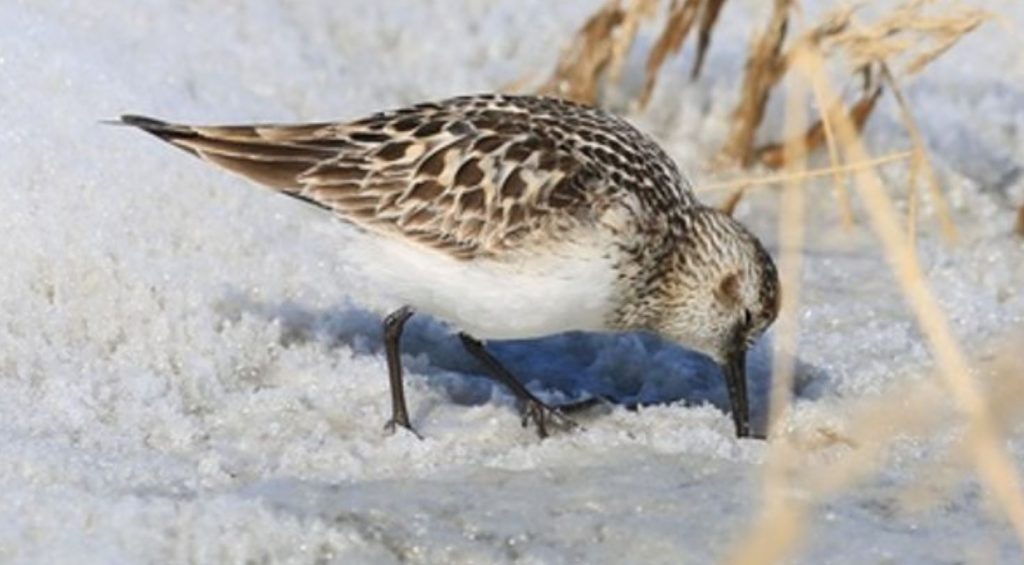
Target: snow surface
187,374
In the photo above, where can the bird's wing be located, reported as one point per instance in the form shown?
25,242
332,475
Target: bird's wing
468,184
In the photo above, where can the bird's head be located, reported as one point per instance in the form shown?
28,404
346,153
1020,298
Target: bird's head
719,292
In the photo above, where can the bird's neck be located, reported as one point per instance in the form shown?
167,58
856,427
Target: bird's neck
644,271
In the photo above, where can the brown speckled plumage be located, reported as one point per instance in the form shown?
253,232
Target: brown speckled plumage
505,182
471,175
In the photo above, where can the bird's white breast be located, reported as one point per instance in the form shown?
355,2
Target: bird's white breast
567,286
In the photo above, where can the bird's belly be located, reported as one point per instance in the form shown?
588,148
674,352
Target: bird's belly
567,287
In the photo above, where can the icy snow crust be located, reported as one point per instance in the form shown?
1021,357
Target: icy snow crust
188,375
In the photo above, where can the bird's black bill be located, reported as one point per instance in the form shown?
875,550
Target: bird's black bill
735,371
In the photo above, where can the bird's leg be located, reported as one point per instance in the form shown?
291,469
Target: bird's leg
533,408
393,325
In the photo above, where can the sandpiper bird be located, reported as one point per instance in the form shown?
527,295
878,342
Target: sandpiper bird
516,217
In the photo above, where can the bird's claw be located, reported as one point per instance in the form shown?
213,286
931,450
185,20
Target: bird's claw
541,415
392,425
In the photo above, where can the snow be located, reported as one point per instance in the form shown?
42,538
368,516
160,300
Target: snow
187,373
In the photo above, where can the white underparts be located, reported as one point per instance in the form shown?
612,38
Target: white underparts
561,287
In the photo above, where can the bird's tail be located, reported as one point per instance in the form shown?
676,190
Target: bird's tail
273,155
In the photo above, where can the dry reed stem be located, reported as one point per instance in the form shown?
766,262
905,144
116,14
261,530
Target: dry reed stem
921,164
739,187
681,16
637,11
1019,228
771,155
868,47
914,408
909,408
781,539
764,68
838,180
783,520
917,164
578,74
913,198
907,33
1005,394
708,19
994,465
1006,383
766,65
791,233
728,206
949,34
902,32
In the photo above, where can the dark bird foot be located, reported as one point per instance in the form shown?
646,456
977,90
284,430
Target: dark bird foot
542,415
393,425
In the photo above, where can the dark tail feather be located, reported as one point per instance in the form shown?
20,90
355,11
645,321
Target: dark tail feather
146,123
168,132
240,149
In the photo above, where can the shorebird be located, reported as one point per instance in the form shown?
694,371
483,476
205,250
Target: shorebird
516,217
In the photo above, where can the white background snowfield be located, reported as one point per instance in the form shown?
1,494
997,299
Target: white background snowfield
187,374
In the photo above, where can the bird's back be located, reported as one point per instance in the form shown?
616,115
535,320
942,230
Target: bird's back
470,176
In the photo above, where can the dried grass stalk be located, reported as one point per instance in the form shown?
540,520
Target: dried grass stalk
772,155
739,187
729,204
600,47
1004,389
681,16
776,545
791,235
920,164
582,64
912,407
708,18
838,180
747,182
913,197
598,50
765,66
908,33
784,519
994,465
1019,228
625,35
